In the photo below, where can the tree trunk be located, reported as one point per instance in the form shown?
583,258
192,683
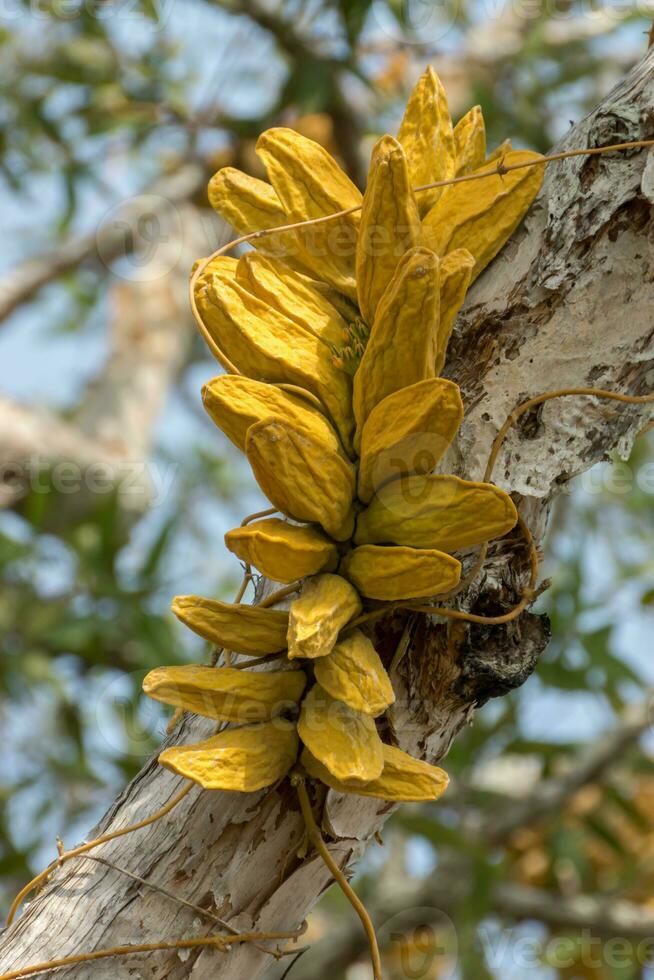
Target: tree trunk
568,303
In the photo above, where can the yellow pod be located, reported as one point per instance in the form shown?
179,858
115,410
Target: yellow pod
403,779
302,477
387,572
390,223
327,604
344,740
310,184
306,178
481,215
427,137
242,759
281,551
244,629
456,273
292,294
235,403
469,142
402,345
353,673
441,512
249,204
223,267
408,432
225,693
267,346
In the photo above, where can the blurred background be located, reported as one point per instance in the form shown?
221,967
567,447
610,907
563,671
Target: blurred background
115,488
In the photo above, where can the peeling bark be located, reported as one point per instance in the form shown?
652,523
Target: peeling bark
567,303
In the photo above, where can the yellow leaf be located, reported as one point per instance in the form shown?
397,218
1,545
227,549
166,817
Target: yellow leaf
243,759
344,740
224,693
408,432
403,779
481,215
390,224
235,403
244,629
456,273
469,142
267,346
327,604
402,345
283,552
310,184
302,477
427,137
384,572
293,295
353,673
441,512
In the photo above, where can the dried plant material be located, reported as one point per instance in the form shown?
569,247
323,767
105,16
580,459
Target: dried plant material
235,403
386,572
441,512
310,184
281,551
469,142
402,345
403,779
408,432
456,273
242,759
344,740
244,629
390,224
327,604
427,137
225,693
267,346
482,215
353,673
302,477
292,294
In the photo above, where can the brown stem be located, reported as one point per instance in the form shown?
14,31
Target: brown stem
297,780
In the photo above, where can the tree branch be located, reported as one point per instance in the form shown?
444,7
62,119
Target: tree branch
544,315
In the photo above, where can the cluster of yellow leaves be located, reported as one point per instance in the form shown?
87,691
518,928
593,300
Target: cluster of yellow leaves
345,453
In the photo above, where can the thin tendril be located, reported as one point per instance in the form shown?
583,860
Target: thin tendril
218,942
83,848
313,832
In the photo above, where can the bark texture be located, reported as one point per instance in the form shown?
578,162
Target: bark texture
568,303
